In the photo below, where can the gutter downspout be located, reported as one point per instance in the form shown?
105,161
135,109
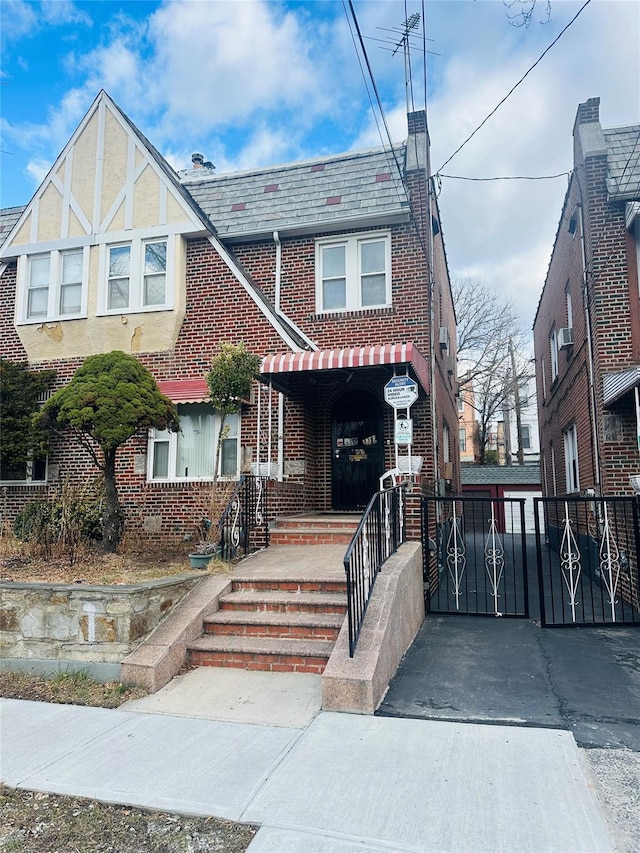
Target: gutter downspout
587,315
276,240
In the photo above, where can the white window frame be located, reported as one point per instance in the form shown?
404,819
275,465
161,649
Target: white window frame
159,436
553,349
29,481
462,439
525,435
353,273
572,470
569,307
54,287
137,276
446,444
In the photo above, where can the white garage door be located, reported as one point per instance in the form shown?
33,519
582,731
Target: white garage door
529,522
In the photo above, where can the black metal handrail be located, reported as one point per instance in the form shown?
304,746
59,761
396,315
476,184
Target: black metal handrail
380,533
243,526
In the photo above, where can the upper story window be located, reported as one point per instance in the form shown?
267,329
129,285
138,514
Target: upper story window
462,438
190,453
353,273
569,303
553,349
54,286
136,276
525,436
571,459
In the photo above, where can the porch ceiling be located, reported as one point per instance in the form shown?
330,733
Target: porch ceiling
279,367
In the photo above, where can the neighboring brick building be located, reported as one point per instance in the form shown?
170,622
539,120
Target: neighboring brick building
587,327
321,267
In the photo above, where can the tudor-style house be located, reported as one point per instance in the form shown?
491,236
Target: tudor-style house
587,326
333,271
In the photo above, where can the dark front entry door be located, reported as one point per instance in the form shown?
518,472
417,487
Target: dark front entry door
357,450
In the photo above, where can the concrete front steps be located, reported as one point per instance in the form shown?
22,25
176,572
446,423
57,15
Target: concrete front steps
280,621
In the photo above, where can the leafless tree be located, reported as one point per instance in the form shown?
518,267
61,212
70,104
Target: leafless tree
492,353
520,12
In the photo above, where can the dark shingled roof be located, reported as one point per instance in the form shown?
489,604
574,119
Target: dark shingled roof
503,475
623,162
328,193
8,218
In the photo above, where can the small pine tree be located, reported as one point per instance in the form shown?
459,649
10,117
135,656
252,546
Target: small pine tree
110,398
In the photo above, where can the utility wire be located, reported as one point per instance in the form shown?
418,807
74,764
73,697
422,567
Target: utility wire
507,177
512,90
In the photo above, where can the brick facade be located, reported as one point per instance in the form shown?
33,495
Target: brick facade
594,261
219,308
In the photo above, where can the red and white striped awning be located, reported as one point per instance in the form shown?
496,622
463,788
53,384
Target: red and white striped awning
184,390
349,358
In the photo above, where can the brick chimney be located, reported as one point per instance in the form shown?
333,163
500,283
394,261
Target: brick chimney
588,139
417,141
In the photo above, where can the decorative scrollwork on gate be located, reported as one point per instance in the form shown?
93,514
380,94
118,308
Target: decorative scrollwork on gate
236,525
570,564
609,556
260,498
456,557
494,559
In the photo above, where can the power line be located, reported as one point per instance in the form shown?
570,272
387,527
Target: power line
512,90
507,177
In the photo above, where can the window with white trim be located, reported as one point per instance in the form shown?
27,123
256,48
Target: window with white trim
190,453
446,447
525,436
353,273
569,302
553,349
54,285
571,459
462,438
135,276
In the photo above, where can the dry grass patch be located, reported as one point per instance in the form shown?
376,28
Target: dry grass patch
67,688
48,823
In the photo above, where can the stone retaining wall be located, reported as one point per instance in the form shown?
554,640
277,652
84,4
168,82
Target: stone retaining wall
84,623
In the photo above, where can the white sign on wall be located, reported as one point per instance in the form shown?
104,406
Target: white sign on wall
401,392
404,431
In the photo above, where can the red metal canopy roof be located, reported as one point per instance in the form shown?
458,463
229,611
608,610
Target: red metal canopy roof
185,390
349,358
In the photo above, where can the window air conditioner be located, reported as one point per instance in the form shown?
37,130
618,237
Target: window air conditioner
565,338
444,338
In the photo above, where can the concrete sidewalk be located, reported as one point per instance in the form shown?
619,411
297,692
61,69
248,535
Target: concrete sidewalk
343,783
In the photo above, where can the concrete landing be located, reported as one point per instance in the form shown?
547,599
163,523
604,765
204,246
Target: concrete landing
243,696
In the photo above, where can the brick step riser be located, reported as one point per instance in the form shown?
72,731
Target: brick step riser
347,526
289,586
284,607
284,537
294,632
268,663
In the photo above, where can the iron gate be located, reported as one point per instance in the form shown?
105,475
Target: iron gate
577,565
587,554
475,556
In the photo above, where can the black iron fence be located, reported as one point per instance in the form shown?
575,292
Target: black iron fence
587,551
475,556
243,526
380,533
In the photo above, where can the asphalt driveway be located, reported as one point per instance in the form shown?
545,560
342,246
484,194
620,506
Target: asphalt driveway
498,670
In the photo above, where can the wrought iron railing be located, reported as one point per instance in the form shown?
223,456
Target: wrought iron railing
588,560
380,533
243,526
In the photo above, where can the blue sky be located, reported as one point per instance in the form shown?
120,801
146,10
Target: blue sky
257,82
